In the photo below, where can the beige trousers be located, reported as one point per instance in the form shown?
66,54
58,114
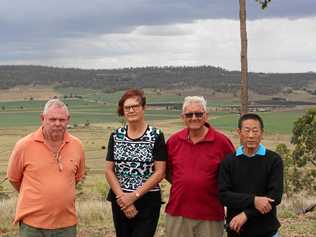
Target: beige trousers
178,226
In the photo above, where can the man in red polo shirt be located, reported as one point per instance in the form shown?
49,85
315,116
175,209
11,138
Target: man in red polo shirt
194,155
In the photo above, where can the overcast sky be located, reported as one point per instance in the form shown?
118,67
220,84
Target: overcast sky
131,33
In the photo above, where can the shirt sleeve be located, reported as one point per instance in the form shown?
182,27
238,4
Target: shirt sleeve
110,152
252,212
275,180
81,171
16,165
160,149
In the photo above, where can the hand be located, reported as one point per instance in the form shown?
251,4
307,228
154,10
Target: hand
238,221
263,204
130,212
125,199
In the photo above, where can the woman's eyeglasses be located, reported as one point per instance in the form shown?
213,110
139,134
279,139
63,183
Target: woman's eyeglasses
196,114
129,107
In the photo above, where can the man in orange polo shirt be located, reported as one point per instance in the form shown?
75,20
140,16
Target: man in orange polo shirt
44,168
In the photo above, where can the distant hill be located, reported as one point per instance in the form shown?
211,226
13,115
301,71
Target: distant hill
110,80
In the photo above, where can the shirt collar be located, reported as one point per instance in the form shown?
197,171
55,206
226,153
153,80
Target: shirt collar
261,151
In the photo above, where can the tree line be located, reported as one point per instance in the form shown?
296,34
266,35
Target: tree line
216,78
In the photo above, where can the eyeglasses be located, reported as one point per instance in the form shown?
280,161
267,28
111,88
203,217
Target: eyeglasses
196,114
247,131
129,107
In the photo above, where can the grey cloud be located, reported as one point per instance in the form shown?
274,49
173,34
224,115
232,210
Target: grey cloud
163,30
56,18
37,28
282,9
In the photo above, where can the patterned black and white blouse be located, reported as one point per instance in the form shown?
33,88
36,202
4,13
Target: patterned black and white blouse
134,158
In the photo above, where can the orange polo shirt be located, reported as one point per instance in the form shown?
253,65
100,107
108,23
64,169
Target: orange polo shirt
47,194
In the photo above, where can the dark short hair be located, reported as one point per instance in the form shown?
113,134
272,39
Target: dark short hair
250,116
129,94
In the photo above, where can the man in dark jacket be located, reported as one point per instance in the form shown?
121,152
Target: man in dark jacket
251,183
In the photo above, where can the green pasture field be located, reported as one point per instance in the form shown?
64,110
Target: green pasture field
78,116
274,122
17,118
16,123
96,106
26,113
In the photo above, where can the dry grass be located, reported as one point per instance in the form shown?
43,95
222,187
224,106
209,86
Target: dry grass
7,207
293,223
95,219
26,92
8,137
94,212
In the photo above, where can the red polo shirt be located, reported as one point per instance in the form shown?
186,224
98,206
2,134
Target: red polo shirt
194,170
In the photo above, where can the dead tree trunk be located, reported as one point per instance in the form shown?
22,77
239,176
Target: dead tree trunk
243,58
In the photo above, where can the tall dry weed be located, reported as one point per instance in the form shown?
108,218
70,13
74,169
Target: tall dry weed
7,207
94,213
297,203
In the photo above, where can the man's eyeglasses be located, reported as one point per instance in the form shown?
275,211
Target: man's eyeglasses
129,107
196,114
247,131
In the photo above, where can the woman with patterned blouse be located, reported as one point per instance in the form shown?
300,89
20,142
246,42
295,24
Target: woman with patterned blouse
135,164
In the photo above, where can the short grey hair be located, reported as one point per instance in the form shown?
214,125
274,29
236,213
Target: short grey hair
194,99
55,103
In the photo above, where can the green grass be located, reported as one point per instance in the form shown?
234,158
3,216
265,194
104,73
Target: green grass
274,122
277,122
19,119
98,107
26,104
282,122
78,116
